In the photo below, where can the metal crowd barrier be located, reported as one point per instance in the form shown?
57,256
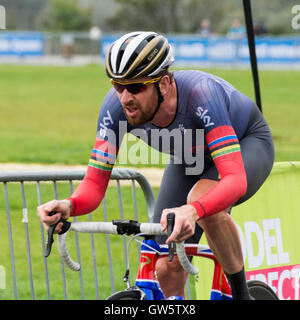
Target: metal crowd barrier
53,178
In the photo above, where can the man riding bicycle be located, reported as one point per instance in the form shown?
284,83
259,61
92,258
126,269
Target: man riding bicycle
237,154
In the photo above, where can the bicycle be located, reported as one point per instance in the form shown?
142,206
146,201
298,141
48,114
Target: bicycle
146,284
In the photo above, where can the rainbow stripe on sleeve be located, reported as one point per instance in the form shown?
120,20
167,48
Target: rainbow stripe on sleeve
222,141
103,155
100,165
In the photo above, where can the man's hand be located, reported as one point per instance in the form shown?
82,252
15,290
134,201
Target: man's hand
62,209
185,219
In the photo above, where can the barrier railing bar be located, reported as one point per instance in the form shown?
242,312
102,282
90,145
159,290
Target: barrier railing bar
43,243
63,273
134,200
112,281
62,175
11,246
25,221
94,261
78,251
79,261
122,217
55,190
135,210
64,279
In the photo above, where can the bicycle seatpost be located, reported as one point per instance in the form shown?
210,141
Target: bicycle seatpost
170,226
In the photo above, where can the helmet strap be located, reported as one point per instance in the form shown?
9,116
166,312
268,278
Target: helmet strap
160,99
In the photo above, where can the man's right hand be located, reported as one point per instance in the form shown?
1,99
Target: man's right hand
62,209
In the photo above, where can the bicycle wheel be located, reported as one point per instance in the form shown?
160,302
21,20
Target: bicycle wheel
261,291
129,294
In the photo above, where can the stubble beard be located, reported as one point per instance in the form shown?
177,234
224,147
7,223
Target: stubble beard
141,119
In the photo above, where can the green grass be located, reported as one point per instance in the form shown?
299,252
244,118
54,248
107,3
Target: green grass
49,114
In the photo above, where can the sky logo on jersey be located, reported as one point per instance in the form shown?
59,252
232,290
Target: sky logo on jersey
203,115
107,121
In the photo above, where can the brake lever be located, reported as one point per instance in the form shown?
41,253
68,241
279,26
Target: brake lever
170,226
50,239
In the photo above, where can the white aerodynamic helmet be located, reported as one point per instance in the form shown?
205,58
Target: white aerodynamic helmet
138,54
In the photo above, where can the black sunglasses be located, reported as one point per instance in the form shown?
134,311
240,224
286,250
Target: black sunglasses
133,87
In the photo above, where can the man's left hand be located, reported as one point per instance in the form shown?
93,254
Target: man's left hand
185,219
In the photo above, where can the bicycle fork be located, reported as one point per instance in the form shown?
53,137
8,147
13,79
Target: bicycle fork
220,289
146,279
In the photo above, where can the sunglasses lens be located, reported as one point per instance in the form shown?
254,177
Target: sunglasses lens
133,88
136,88
119,88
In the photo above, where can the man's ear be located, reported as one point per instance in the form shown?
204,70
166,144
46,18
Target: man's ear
164,84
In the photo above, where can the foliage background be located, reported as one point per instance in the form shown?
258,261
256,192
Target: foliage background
125,15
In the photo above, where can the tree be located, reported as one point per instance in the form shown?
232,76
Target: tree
170,16
66,15
145,15
23,15
185,16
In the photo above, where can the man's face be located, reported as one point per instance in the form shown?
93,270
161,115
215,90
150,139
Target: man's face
138,107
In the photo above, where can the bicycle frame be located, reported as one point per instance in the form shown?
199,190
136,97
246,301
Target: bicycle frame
146,279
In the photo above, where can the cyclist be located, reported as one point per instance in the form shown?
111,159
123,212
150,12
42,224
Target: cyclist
238,151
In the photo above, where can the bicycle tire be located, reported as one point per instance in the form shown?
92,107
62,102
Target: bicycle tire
260,290
128,295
